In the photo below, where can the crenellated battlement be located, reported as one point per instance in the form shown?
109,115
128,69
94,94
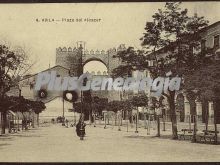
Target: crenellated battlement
94,52
66,49
69,57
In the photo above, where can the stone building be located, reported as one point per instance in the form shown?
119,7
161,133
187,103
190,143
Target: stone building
55,105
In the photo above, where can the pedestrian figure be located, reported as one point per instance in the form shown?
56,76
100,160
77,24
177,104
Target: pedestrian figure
67,121
80,127
52,120
130,119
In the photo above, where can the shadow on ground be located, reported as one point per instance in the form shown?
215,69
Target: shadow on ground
6,138
3,145
150,137
170,137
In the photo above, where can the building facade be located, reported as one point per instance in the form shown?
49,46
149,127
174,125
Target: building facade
185,108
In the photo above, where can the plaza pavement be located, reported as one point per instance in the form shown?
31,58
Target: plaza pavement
56,143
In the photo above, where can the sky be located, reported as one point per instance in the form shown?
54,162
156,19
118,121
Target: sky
121,23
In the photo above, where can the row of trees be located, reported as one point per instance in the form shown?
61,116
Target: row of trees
20,104
100,104
174,33
13,65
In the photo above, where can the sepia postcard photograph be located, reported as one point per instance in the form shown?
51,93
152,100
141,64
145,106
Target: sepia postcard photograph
110,82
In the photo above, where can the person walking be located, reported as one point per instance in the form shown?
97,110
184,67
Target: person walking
80,127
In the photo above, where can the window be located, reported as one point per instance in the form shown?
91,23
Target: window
216,41
203,42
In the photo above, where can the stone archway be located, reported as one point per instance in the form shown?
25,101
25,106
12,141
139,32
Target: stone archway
70,58
96,59
96,67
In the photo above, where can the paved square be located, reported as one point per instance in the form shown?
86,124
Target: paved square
56,143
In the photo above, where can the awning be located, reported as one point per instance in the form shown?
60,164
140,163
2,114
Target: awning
11,112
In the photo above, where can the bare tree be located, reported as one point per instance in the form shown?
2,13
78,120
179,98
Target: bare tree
14,63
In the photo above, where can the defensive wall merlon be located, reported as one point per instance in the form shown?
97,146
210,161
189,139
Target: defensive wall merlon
92,52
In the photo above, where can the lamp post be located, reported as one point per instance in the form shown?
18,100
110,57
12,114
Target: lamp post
127,119
145,122
94,118
105,119
81,93
119,121
136,120
74,111
148,124
63,122
158,110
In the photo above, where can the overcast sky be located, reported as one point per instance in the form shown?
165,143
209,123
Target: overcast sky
120,23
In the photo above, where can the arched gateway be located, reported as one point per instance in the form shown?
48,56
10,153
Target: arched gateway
70,58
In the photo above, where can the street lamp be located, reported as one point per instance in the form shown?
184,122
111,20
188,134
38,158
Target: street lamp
63,123
81,93
105,113
136,131
119,121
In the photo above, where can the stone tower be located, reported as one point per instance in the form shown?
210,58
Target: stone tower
68,58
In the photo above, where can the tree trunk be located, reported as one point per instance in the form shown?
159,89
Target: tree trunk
90,114
215,107
132,120
115,119
173,114
158,125
4,121
145,121
194,129
18,124
33,114
26,125
164,126
121,118
38,120
148,125
9,124
206,119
